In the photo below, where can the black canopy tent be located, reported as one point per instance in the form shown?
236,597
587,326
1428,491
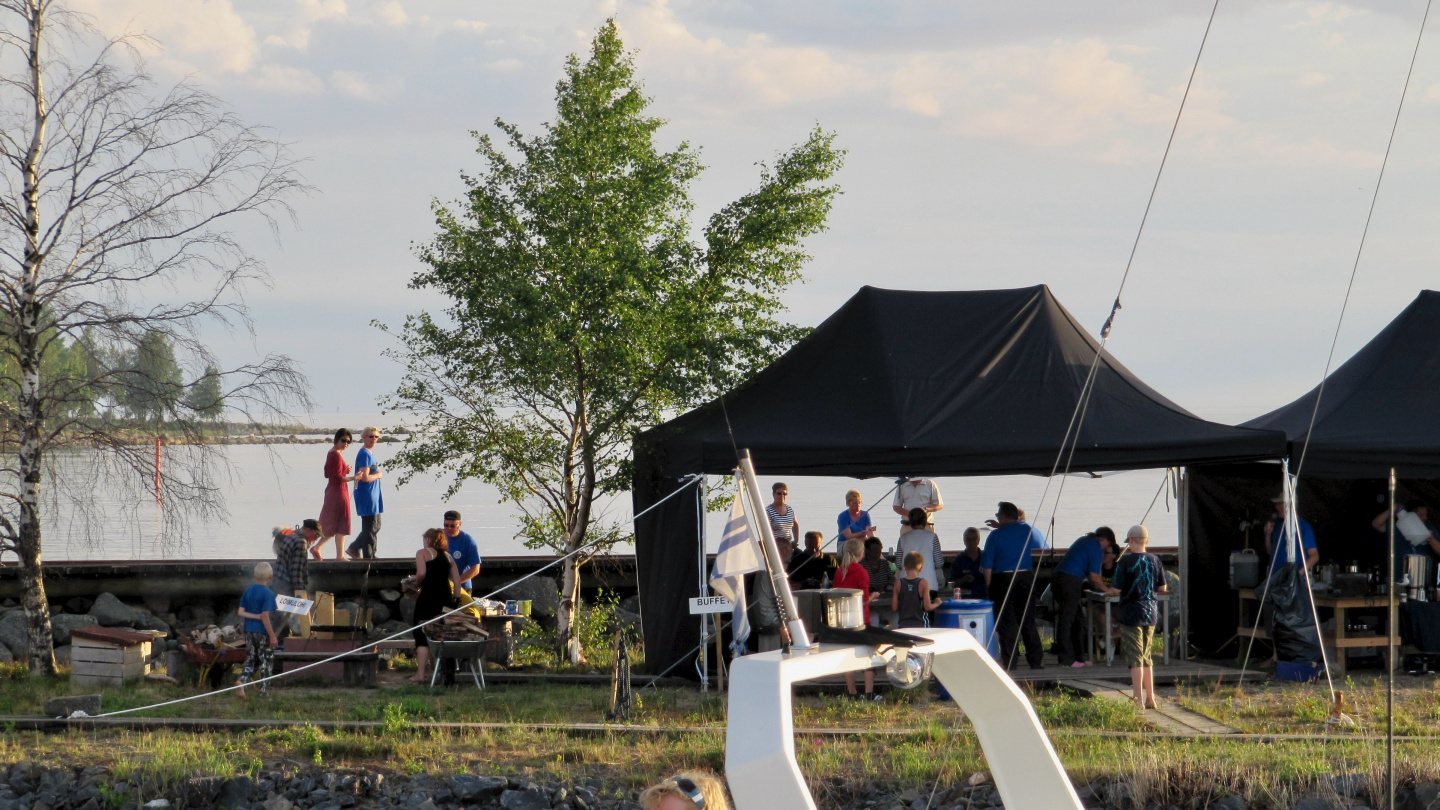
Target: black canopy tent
909,383
1380,409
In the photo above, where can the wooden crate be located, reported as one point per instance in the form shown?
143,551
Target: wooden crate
105,656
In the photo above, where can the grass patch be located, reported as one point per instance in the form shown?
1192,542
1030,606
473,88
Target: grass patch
1289,708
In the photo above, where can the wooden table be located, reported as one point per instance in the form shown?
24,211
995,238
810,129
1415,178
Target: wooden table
1336,638
1096,598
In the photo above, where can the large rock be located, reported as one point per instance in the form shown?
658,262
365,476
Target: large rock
379,613
533,798
5,656
62,655
236,792
111,612
14,635
197,614
157,603
543,593
1427,795
476,789
79,605
407,610
61,625
146,621
68,705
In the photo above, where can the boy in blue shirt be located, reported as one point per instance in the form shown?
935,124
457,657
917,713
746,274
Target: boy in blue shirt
1139,576
260,642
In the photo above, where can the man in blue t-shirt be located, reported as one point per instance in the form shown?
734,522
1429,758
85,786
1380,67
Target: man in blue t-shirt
1009,573
462,549
1277,543
1082,563
368,502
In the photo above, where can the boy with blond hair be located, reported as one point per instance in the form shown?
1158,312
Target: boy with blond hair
260,642
1139,576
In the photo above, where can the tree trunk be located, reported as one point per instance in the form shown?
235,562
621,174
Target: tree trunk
569,604
29,347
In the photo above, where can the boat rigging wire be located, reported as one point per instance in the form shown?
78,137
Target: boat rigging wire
1077,417
1314,416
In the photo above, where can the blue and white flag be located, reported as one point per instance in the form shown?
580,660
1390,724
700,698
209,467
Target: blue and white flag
739,554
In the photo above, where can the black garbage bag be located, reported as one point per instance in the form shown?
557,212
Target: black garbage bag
1292,619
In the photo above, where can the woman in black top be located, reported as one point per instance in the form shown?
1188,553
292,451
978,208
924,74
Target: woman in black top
439,582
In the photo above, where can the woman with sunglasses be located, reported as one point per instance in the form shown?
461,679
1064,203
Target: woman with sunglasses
687,790
335,514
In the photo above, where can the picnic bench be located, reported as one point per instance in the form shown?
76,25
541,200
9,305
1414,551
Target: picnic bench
360,668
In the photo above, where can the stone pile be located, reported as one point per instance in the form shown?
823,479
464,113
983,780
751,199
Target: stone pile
30,786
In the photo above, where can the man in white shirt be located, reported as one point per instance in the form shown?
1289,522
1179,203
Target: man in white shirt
915,493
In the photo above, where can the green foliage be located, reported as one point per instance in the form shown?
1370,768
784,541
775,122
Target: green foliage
595,626
153,383
112,797
580,310
204,396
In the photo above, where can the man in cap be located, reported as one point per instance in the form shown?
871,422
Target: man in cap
1277,542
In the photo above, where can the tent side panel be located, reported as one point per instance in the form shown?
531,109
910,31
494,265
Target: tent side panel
665,547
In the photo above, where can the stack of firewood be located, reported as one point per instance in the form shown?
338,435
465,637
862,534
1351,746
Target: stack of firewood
457,627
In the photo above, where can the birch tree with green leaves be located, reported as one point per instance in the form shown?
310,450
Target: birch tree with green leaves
582,308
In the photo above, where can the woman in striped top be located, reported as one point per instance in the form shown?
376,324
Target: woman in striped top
782,516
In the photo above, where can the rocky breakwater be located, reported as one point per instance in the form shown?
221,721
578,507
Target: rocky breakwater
281,786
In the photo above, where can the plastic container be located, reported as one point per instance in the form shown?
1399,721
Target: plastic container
844,608
1244,569
975,616
1297,671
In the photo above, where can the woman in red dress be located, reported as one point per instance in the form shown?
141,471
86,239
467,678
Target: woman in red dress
335,514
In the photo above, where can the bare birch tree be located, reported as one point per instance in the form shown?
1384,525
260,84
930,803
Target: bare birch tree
116,200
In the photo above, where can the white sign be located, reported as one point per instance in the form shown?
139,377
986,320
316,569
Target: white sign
710,604
290,604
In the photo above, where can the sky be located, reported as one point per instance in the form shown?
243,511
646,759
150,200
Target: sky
990,145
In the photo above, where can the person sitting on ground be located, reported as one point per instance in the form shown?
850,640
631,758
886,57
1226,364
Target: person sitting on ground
1139,576
687,790
852,574
965,572
911,598
260,641
1082,564
439,581
916,493
811,567
1277,544
925,541
882,579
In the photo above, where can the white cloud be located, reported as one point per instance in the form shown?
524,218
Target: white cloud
392,13
1322,13
756,69
473,26
194,35
300,25
360,86
288,80
1312,79
505,65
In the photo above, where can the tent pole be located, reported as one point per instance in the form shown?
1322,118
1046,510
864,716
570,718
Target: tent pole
702,507
1182,503
1390,658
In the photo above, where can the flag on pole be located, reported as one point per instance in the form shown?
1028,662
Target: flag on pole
739,554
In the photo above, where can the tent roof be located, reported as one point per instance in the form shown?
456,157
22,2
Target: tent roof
943,383
1381,408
